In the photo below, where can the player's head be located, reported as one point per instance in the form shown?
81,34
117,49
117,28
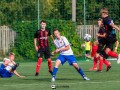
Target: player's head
56,33
43,24
100,22
11,56
104,12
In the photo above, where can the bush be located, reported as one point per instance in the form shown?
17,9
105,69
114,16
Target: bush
24,46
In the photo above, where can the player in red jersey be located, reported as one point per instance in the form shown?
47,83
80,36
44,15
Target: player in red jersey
41,37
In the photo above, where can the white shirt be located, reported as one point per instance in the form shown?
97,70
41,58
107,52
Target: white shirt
10,64
61,44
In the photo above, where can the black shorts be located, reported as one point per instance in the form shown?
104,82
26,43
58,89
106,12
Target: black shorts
111,38
45,51
108,45
103,54
100,48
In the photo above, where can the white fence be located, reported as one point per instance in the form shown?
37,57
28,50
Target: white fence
90,29
7,38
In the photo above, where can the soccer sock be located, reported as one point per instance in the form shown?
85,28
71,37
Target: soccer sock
95,62
94,49
112,54
50,64
38,65
80,72
100,64
107,63
54,72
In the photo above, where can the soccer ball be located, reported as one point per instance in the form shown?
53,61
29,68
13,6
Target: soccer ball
53,86
87,37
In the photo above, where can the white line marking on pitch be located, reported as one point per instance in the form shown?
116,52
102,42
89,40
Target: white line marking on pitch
60,83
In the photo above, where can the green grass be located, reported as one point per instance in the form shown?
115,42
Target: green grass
67,78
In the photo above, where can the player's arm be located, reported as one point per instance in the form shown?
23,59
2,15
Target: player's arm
52,37
17,74
35,44
35,41
114,26
116,45
101,35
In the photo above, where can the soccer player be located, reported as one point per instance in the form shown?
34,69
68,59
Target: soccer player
66,54
101,43
41,37
8,68
110,34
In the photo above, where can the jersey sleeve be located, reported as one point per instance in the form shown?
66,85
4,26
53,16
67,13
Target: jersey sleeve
55,43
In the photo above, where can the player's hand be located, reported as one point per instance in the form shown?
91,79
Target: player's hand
57,50
22,76
53,53
97,35
36,48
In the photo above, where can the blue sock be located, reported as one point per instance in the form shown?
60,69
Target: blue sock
54,72
80,72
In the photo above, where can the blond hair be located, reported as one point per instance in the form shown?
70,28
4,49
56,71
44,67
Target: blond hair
11,53
104,10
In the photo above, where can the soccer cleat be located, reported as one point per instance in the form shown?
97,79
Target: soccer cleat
93,69
99,71
51,72
108,68
86,78
118,60
36,74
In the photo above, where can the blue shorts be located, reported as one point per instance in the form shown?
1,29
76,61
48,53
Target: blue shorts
70,58
4,73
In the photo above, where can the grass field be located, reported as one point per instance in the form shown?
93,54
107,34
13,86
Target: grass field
67,78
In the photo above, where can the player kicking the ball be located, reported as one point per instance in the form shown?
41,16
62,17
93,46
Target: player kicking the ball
66,54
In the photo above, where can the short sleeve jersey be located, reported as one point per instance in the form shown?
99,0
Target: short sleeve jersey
42,37
63,42
106,21
101,32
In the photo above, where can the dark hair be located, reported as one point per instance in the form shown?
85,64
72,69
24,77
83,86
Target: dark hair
100,19
42,21
55,30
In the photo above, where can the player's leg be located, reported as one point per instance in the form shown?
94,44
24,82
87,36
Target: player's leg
94,48
47,56
60,60
38,64
75,65
108,64
95,60
100,64
111,53
72,61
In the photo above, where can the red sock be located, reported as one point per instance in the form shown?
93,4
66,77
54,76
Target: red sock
95,62
94,49
100,64
38,65
50,64
107,63
112,54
